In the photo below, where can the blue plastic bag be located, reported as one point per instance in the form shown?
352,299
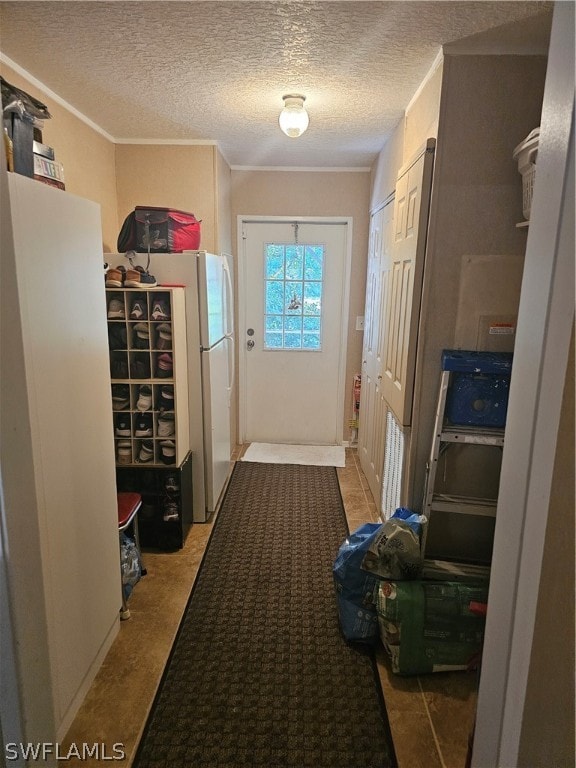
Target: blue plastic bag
355,588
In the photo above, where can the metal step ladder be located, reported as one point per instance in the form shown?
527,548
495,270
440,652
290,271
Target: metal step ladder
480,373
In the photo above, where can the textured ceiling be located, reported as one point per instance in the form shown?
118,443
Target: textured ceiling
218,70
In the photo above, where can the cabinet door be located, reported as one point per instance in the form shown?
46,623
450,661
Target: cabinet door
372,424
405,283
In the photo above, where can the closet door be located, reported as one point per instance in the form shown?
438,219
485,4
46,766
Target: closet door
405,283
372,424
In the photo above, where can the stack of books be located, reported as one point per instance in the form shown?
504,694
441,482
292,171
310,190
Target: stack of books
46,168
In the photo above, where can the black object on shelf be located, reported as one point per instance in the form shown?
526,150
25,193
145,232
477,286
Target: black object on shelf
22,135
166,513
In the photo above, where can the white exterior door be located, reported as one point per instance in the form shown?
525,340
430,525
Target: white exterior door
372,426
403,306
292,334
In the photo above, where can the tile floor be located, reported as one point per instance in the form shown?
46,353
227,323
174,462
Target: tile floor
430,716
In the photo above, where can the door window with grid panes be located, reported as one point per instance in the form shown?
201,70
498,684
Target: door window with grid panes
293,277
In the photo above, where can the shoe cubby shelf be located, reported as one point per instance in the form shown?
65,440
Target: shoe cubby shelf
149,375
165,516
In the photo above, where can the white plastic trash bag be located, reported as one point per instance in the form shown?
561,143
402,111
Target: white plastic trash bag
395,552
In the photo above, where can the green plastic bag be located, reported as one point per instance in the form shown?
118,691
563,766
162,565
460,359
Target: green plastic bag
428,626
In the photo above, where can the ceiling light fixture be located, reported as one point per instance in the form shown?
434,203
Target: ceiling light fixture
293,118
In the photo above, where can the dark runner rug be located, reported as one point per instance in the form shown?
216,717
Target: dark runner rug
260,674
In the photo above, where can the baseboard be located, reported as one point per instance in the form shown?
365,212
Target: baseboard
78,699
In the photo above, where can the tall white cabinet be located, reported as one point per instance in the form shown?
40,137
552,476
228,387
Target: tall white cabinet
59,518
469,272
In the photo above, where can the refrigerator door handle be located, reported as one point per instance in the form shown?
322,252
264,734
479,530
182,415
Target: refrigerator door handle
228,299
230,340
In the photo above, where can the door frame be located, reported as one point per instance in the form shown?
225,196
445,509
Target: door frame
243,219
545,322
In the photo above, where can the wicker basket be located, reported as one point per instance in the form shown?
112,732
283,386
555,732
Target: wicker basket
526,153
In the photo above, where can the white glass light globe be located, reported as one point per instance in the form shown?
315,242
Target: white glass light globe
293,119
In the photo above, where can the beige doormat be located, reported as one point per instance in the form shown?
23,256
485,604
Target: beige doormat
311,455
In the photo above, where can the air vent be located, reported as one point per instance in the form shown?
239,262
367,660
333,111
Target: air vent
393,466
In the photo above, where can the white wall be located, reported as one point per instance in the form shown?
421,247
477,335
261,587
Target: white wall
513,710
311,193
59,512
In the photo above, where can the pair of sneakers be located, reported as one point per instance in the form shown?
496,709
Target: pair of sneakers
160,310
168,451
115,277
144,402
138,277
171,510
146,452
116,309
134,277
166,424
143,425
124,452
164,366
166,402
120,396
140,368
138,309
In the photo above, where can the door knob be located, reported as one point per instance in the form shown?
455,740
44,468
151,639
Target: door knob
250,344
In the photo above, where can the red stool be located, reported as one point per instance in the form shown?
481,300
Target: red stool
128,505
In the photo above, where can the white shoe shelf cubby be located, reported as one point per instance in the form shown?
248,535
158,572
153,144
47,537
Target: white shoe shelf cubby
149,375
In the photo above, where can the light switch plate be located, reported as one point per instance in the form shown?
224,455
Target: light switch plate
360,323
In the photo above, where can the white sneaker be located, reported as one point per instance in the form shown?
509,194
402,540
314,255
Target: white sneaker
160,311
116,309
166,424
124,452
146,451
168,451
144,402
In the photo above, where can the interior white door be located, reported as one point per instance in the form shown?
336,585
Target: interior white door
411,209
373,408
292,335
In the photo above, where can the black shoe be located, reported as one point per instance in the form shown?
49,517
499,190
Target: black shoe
168,448
171,511
119,369
166,402
143,426
120,397
122,425
138,310
164,366
171,484
146,452
140,369
117,337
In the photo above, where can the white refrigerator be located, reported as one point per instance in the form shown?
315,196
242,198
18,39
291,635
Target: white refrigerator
210,342
217,365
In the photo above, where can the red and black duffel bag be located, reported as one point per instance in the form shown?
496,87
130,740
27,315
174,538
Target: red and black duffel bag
159,230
